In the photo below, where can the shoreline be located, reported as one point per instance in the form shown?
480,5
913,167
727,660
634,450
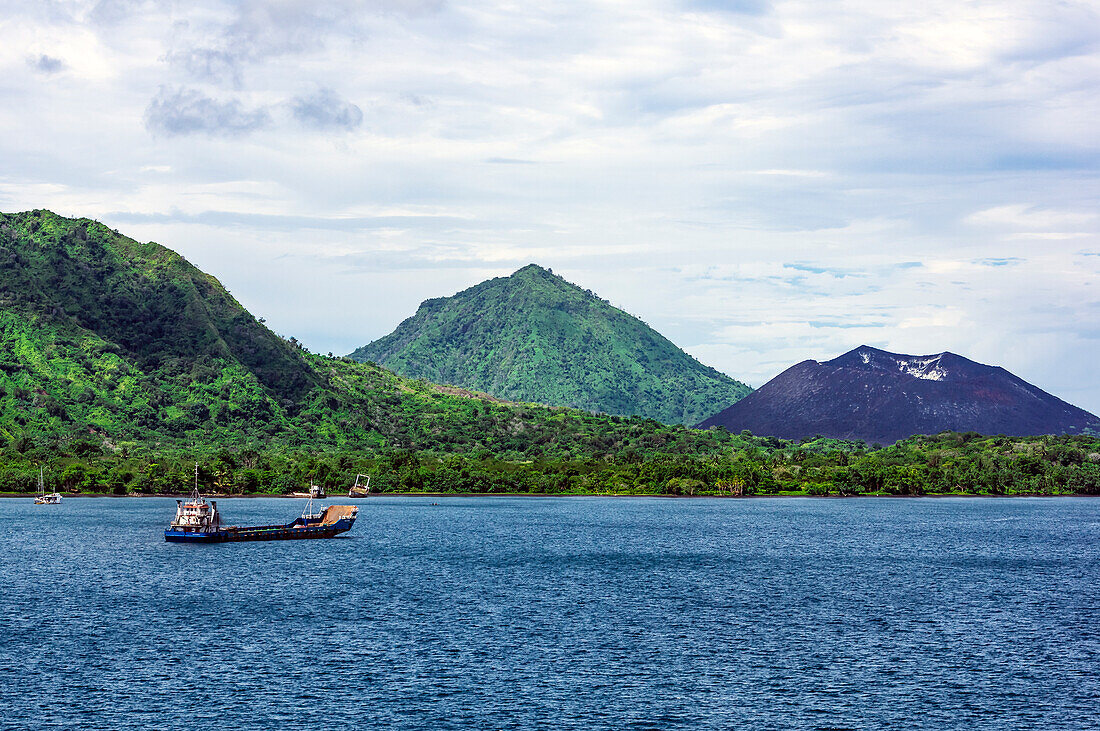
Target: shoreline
223,496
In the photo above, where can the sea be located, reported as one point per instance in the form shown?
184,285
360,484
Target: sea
557,613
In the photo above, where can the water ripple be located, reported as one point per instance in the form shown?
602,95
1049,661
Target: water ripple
516,613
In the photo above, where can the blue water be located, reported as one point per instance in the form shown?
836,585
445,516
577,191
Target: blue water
587,613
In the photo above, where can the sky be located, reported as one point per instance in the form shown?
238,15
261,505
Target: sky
762,182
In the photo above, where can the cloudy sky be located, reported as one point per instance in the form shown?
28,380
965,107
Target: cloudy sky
763,182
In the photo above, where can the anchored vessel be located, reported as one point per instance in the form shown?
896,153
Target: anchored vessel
198,521
358,490
314,491
42,498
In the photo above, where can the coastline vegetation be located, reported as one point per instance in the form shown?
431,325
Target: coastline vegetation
944,464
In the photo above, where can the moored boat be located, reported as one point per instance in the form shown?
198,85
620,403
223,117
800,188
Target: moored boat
41,498
198,521
358,490
315,491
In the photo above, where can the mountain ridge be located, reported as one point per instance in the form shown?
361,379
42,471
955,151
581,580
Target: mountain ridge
109,343
532,336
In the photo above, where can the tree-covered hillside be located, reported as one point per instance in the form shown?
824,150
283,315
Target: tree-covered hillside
108,342
535,337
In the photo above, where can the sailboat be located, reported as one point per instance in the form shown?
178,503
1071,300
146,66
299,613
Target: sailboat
54,498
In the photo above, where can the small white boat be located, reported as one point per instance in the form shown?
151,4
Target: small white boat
54,498
316,492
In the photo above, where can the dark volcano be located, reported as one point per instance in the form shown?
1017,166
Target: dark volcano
877,396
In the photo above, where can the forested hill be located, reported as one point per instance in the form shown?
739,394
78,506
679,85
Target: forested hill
111,344
149,305
534,337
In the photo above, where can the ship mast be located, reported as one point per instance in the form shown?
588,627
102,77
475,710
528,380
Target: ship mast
308,512
195,493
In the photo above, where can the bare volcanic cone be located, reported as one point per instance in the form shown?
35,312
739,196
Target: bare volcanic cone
877,396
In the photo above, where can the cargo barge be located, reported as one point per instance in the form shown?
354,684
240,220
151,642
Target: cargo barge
198,521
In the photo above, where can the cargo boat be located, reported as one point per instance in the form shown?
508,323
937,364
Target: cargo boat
198,521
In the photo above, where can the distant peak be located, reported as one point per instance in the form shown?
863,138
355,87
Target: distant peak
531,269
867,352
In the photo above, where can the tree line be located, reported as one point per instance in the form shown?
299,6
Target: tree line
948,463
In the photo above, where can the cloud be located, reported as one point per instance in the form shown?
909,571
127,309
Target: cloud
671,155
181,111
1001,261
1030,218
831,271
325,109
746,7
278,222
212,63
221,47
408,260
113,12
46,64
1064,158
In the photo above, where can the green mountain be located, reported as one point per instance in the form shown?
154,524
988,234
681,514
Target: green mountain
121,366
111,344
535,337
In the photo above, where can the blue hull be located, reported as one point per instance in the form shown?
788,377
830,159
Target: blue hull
293,531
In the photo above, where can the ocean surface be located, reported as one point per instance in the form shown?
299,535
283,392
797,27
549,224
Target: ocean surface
560,613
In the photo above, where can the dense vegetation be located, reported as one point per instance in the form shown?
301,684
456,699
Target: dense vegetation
535,337
106,343
944,464
121,365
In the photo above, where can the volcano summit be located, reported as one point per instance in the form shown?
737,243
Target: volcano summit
877,396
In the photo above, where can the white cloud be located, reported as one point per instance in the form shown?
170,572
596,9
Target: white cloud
184,111
762,182
1022,216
